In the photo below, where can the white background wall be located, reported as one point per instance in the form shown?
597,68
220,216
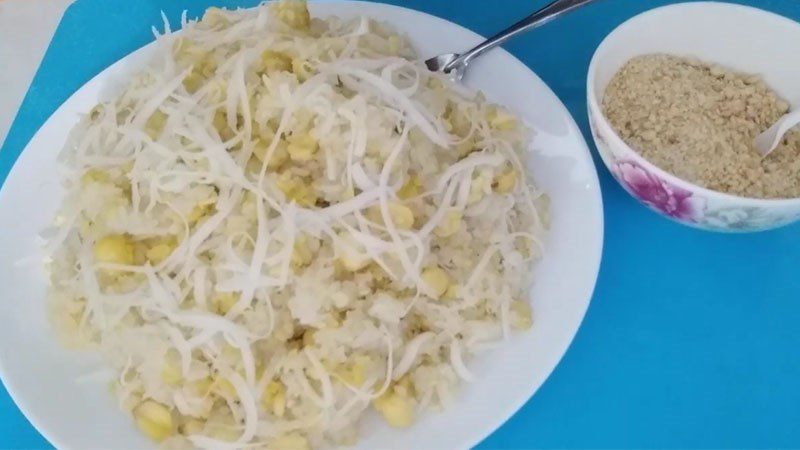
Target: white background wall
26,28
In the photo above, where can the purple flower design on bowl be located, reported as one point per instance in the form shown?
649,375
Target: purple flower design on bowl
655,192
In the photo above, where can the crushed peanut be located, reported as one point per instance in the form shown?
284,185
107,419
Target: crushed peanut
698,121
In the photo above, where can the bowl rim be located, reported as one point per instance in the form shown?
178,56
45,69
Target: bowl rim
598,117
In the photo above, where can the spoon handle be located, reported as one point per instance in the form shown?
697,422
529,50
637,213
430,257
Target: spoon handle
540,17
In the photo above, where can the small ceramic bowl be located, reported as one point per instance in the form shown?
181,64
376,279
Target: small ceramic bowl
742,38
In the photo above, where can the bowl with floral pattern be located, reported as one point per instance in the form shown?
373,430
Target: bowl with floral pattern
742,38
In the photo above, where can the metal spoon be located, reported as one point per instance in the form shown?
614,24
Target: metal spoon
455,64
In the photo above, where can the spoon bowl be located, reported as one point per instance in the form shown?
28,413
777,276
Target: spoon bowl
440,63
767,141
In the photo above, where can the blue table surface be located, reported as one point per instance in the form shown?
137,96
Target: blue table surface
692,338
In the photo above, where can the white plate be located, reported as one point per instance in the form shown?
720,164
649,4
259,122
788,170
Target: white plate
44,379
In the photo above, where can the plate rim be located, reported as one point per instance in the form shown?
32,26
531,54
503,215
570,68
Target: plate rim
493,423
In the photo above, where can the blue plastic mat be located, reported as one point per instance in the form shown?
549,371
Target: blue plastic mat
692,338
